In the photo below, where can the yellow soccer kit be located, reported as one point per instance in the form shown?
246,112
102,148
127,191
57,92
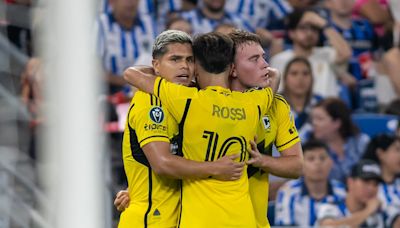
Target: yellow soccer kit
154,199
277,127
215,122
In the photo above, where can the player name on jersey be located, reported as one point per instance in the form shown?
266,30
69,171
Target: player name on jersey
229,112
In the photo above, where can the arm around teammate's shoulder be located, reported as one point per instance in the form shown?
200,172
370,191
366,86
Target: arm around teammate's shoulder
141,78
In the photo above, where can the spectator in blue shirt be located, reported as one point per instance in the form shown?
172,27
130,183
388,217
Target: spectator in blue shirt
298,200
385,149
361,208
331,122
361,37
210,13
124,37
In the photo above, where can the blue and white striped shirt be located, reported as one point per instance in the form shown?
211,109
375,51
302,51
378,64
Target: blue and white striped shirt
295,207
389,194
149,7
158,9
339,210
120,48
163,7
260,12
201,24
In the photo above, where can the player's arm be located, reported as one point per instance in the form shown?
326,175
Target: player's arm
288,165
114,79
141,78
166,164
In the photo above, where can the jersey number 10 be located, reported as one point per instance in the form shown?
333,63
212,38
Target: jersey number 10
213,139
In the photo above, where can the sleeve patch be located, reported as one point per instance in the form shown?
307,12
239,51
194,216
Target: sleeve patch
266,123
156,114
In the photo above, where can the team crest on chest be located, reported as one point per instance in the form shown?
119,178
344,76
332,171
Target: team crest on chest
266,123
156,114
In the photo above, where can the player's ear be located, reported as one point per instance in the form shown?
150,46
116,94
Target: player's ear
156,66
233,72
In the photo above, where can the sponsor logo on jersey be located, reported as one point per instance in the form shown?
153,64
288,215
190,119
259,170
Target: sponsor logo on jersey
155,127
156,114
266,122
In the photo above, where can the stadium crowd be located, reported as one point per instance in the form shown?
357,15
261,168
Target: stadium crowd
320,160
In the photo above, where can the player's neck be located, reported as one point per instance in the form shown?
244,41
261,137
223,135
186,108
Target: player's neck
220,79
237,86
205,78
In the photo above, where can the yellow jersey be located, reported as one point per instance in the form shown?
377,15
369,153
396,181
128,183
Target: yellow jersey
277,127
154,199
215,122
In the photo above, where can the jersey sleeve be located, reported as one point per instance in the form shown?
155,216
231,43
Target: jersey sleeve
173,96
149,121
287,134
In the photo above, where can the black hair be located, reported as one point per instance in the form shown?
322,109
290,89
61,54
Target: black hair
382,141
338,110
214,52
294,18
314,144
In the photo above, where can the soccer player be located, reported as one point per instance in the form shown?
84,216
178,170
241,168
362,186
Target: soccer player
156,197
277,126
214,122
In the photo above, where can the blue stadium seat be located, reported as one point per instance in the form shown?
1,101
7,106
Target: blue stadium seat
373,124
271,213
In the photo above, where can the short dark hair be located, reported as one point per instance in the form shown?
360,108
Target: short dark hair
294,18
382,141
240,37
314,144
214,52
393,108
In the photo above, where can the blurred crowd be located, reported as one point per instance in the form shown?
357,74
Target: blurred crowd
340,63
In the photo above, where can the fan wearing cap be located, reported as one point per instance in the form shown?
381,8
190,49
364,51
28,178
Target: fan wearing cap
361,207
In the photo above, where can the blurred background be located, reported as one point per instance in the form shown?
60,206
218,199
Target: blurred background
63,101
